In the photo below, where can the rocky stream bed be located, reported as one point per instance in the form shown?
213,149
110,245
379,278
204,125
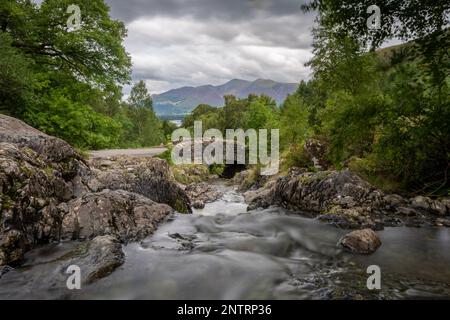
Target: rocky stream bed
136,233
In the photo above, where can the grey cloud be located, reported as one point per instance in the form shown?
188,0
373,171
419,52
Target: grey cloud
175,43
202,9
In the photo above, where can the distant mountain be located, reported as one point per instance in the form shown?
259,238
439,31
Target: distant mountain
184,100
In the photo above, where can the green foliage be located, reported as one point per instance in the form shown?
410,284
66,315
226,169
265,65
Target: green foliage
201,110
405,19
259,114
216,169
385,114
369,168
74,122
190,173
168,128
293,156
146,129
16,78
294,126
255,112
95,53
415,140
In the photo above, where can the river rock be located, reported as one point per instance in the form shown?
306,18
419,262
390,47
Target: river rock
259,198
364,241
4,270
426,204
150,177
202,193
96,258
446,202
198,204
125,215
407,211
442,222
394,201
191,173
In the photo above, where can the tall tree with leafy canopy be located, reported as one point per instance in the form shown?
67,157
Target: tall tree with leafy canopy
93,54
139,97
147,128
74,77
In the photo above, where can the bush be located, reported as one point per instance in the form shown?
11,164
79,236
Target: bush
76,123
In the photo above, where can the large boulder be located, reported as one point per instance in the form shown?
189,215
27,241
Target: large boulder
364,241
125,215
150,177
37,173
339,197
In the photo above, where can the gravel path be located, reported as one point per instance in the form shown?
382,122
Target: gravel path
143,152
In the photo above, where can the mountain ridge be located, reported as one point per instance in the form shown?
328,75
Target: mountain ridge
183,100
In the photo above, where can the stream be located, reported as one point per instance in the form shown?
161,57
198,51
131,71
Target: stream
225,252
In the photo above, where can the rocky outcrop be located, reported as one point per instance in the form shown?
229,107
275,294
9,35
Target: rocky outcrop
347,201
48,192
364,241
125,215
260,198
149,177
37,173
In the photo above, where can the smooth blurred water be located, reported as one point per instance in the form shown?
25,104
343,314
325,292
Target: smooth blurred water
223,252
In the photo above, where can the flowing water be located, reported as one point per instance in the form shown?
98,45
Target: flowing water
225,252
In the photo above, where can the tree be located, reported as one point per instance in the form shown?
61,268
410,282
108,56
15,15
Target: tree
16,78
259,115
425,21
405,19
53,78
147,128
199,111
139,97
294,117
95,53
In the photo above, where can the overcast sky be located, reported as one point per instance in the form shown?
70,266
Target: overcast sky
175,43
